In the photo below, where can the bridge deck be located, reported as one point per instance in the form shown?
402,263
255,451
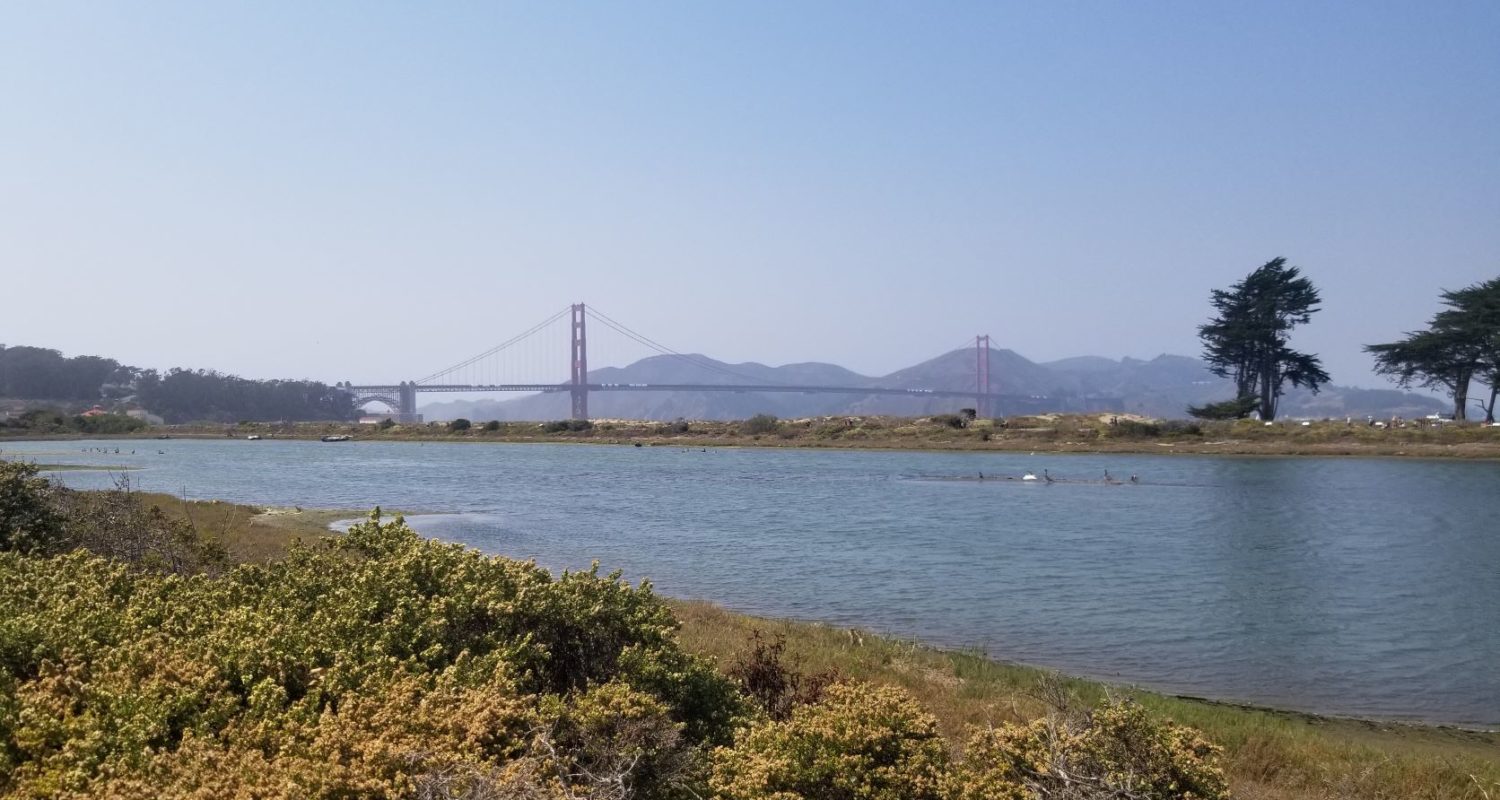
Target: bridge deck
668,387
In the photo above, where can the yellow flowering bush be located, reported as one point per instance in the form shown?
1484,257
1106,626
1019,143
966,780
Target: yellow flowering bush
858,742
379,664
1116,750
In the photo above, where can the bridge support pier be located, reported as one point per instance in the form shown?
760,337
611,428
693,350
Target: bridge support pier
408,398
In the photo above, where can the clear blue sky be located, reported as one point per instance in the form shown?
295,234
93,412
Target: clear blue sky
370,191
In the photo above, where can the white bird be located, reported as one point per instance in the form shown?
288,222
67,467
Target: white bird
1028,477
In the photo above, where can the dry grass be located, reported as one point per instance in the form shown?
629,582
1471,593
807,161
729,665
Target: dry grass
250,533
1065,433
1270,755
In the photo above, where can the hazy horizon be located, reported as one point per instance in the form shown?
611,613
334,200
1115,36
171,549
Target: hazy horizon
347,192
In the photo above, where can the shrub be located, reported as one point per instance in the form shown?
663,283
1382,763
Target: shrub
28,521
460,424
860,742
1116,750
771,683
386,424
492,426
760,424
950,420
117,524
567,426
1181,427
1131,429
1226,409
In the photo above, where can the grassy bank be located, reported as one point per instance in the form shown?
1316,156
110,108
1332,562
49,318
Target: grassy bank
1268,754
251,534
1049,433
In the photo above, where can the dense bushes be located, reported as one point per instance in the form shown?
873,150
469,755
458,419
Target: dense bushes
1133,429
861,742
365,667
48,421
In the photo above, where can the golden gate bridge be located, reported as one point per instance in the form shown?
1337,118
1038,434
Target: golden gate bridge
495,370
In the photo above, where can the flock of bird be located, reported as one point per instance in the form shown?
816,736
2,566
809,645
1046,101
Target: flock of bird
1047,478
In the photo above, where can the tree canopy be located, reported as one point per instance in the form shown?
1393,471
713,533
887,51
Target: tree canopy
178,395
1460,343
1247,341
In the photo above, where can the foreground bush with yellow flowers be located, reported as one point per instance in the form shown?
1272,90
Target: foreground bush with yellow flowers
384,665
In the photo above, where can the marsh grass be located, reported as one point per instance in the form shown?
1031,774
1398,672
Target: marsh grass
250,534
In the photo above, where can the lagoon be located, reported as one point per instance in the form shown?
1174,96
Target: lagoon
1364,587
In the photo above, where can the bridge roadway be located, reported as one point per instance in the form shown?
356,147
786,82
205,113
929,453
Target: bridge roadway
659,387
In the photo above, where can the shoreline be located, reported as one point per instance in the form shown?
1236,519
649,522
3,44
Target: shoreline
1471,443
1099,678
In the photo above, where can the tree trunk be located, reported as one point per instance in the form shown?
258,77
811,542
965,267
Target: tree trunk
1461,398
1267,392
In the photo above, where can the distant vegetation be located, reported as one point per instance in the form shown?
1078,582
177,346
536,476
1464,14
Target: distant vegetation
177,395
761,424
45,422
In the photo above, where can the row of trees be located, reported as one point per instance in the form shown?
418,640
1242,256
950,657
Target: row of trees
1247,341
1460,344
36,372
177,395
182,395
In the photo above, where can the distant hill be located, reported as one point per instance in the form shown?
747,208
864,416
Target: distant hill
1160,387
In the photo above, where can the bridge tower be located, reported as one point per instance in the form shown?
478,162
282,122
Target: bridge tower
580,390
982,373
408,398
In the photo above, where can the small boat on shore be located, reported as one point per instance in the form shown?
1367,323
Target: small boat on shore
338,437
254,437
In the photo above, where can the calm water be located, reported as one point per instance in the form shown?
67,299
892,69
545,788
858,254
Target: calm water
1364,587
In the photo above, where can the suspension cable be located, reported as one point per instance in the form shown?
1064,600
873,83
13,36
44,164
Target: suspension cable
497,348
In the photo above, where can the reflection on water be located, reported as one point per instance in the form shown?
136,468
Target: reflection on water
1366,587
